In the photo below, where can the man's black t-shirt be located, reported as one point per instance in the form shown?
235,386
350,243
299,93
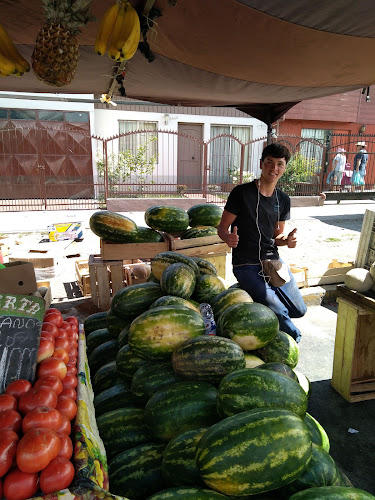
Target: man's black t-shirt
243,201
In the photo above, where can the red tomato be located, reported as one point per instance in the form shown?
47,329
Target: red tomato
66,328
66,448
52,366
66,427
37,448
45,351
66,406
72,320
54,317
10,419
58,475
75,336
72,360
42,416
18,387
47,336
62,354
73,353
69,392
52,309
41,396
70,381
73,344
8,446
20,485
61,343
72,370
50,381
50,328
8,402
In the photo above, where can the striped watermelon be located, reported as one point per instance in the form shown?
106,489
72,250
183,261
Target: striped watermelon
167,218
317,432
205,266
304,382
254,451
187,493
96,338
133,300
178,279
179,466
116,396
199,232
128,362
228,298
205,214
151,377
95,321
115,324
332,493
246,389
113,227
102,355
280,368
207,358
147,235
282,349
251,325
172,300
105,377
122,339
164,259
207,288
136,473
179,407
252,361
157,332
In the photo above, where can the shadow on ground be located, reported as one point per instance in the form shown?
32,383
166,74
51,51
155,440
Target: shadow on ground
347,221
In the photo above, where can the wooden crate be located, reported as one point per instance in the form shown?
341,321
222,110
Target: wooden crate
83,276
353,373
126,251
106,278
366,246
300,275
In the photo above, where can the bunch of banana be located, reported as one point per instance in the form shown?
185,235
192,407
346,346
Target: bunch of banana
11,61
119,32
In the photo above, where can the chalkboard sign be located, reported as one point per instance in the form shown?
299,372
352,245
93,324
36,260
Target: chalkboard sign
21,318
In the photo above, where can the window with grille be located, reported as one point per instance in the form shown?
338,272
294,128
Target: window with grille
135,140
311,150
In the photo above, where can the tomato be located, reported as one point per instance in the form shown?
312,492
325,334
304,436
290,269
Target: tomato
58,475
73,353
66,448
74,344
8,402
47,336
54,317
71,370
70,381
37,448
20,485
10,419
62,354
66,426
8,446
72,360
66,327
50,328
45,351
52,366
41,396
75,336
50,381
67,406
42,416
61,343
69,392
52,309
72,320
18,387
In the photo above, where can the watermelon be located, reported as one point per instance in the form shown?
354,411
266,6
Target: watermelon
199,232
164,259
304,382
205,214
128,362
246,389
151,377
172,300
251,325
317,432
280,368
157,332
115,324
105,377
152,279
116,396
96,338
282,349
207,288
102,355
254,451
252,361
136,473
122,429
147,235
187,493
207,358
123,337
205,266
95,321
167,218
113,227
132,300
179,407
227,298
178,279
179,466
332,493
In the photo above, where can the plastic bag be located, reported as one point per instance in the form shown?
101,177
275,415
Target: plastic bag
357,179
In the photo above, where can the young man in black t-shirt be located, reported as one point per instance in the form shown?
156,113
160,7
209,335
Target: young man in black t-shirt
256,212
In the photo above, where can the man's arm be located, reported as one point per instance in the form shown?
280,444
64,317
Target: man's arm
282,239
231,239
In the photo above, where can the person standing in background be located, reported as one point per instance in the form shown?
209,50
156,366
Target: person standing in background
338,167
359,166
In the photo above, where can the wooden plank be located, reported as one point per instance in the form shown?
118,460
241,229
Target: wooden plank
177,244
366,301
93,282
362,397
364,351
219,261
124,251
363,245
204,250
117,276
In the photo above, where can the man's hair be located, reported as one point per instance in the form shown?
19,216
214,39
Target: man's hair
276,150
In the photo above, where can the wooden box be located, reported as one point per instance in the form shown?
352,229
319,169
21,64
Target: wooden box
353,373
366,246
300,275
106,278
126,251
83,276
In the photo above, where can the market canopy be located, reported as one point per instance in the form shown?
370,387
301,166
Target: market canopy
259,56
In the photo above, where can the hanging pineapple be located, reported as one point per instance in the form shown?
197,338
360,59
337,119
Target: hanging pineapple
55,55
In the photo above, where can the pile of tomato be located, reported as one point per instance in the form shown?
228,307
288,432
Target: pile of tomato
35,420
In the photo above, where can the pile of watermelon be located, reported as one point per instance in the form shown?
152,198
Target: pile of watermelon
200,220
192,416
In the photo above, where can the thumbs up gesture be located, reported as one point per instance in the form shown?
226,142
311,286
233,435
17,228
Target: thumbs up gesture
292,238
232,239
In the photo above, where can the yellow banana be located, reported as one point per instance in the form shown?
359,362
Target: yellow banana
7,66
10,51
113,51
105,29
130,46
3,74
130,26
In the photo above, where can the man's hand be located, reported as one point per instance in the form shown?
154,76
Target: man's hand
232,238
292,238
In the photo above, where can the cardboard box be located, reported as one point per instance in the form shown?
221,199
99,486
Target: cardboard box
65,231
18,277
